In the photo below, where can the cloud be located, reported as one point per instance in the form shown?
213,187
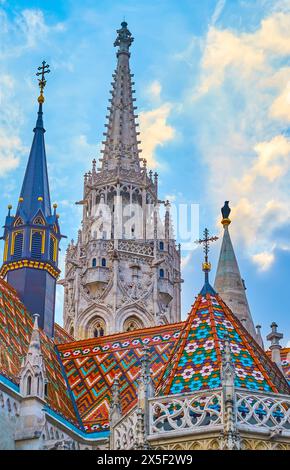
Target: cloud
19,33
154,90
242,54
241,109
186,260
11,147
217,11
280,108
170,197
263,260
272,162
155,131
25,31
82,149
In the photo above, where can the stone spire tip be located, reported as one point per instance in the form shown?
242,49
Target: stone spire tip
124,39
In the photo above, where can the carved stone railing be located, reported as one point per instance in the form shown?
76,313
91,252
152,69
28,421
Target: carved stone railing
97,274
201,412
186,413
264,412
135,247
124,432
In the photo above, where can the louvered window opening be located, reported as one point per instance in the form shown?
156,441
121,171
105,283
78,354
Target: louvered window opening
36,245
18,245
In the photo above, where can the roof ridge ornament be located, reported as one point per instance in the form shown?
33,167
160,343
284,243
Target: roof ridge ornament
206,265
226,210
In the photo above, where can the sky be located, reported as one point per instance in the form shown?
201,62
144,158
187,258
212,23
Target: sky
212,83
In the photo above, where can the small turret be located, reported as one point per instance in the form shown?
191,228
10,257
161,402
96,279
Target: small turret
275,347
32,373
32,235
228,281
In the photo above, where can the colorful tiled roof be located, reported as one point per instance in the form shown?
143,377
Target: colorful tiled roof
285,356
91,366
285,361
61,335
196,360
15,332
184,357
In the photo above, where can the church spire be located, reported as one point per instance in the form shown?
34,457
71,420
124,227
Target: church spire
32,235
228,282
34,195
121,143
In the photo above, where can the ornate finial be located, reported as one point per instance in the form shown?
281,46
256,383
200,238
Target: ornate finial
226,210
274,336
116,392
43,69
146,385
9,209
227,357
275,346
35,324
206,266
20,199
124,39
115,406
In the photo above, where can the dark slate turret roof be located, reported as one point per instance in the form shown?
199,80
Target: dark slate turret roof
35,183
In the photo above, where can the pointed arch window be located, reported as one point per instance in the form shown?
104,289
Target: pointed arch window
104,262
28,386
38,220
161,273
94,262
99,329
52,248
38,386
161,246
37,243
132,323
17,245
18,222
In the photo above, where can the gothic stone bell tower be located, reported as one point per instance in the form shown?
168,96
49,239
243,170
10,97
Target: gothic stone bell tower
121,274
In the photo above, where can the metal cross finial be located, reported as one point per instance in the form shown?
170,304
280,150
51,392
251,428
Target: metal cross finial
205,241
43,69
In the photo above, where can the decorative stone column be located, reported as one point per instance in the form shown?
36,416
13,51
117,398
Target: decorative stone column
145,391
275,347
230,439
